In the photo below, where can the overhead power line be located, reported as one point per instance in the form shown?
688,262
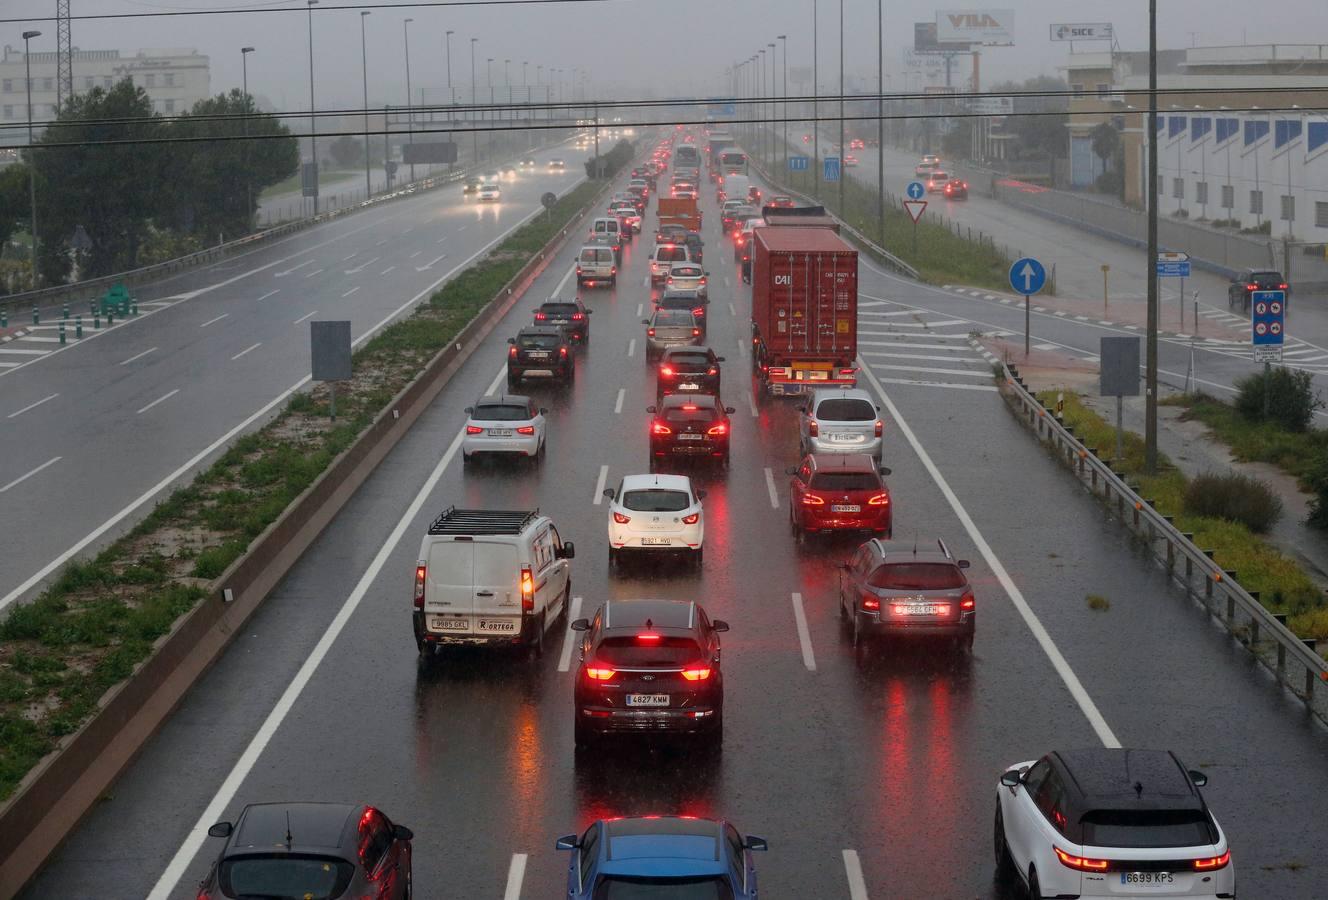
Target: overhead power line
317,10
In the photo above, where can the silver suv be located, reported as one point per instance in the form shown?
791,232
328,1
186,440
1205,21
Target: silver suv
841,420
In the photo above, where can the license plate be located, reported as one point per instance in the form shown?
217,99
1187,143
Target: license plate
689,386
921,609
1147,878
447,623
647,699
560,321
845,507
691,437
497,626
538,354
500,432
655,542
845,438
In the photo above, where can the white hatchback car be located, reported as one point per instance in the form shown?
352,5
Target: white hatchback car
504,423
687,276
655,512
489,191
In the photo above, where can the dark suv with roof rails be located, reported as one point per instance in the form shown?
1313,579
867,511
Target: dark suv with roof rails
898,589
687,370
540,351
569,315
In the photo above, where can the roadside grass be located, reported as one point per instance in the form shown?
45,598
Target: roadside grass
1292,452
99,617
1283,587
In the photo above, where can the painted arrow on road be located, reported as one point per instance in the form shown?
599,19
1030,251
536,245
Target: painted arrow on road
361,266
430,264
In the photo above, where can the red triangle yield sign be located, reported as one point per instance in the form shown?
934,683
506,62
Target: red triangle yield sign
915,208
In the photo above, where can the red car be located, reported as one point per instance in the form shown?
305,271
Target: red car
856,144
782,202
839,492
956,189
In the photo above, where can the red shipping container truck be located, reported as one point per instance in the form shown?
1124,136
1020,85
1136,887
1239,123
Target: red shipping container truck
804,309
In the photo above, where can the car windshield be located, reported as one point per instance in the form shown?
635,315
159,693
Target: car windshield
686,272
1146,828
296,877
1266,276
845,410
538,341
672,317
688,360
939,176
845,481
632,651
679,300
656,500
671,254
621,887
559,309
501,412
917,576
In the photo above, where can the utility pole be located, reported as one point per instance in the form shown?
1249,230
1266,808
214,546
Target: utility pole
474,135
841,107
783,42
364,61
1150,364
816,109
244,126
451,95
32,153
410,109
313,121
880,116
64,56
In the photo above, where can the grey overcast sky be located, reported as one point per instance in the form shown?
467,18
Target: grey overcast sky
629,48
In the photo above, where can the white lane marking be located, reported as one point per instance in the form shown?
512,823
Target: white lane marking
727,282
307,262
246,350
631,347
34,405
751,402
947,322
313,273
430,264
212,321
516,873
388,269
965,372
22,478
569,638
268,294
41,340
733,310
804,635
557,292
617,404
381,243
349,292
461,228
24,352
441,240
162,399
857,885
901,345
170,877
881,354
305,316
1058,661
639,308
352,256
361,267
770,487
599,484
909,336
415,254
940,384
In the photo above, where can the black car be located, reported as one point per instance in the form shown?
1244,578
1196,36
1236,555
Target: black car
319,850
649,666
691,300
895,590
687,370
696,246
1247,282
689,425
540,351
570,315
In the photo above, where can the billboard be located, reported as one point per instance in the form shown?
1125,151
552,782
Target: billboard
437,152
925,40
987,27
1083,31
926,61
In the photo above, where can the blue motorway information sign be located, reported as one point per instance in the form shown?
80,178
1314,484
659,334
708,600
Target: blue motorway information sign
831,168
798,163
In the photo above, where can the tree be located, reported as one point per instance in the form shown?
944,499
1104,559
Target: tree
1040,122
1106,143
348,151
14,206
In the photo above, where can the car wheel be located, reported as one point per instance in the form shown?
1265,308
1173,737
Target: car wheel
715,735
698,557
567,603
1034,887
582,735
1004,864
537,644
613,281
614,559
799,533
539,454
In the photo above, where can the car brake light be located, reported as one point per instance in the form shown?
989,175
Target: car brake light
870,602
703,280
698,311
613,270
696,332
621,519
540,317
660,428
527,590
879,500
1251,287
474,429
650,332
577,317
880,426
1082,863
562,351
967,601
670,280
1212,862
719,430
599,673
1281,287
512,353
692,519
696,673
578,270
525,429
666,371
814,429
712,371
812,500
648,637
420,572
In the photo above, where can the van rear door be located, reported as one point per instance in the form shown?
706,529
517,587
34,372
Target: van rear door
449,592
497,594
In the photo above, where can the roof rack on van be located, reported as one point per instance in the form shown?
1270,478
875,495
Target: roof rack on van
482,521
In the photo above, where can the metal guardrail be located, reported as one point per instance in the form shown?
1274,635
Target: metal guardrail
1292,660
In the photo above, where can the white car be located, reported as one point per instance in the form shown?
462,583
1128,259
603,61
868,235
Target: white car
1110,823
655,513
687,276
557,165
504,423
489,191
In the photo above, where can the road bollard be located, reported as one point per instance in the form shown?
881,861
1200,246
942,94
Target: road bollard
78,327
92,306
110,315
62,332
4,318
133,308
36,316
64,311
96,320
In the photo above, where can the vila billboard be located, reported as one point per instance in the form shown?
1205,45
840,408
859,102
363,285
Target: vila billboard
986,27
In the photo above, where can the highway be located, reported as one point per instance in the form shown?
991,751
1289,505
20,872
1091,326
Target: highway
872,779
99,428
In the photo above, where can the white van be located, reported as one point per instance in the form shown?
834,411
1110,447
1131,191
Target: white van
734,187
609,225
490,577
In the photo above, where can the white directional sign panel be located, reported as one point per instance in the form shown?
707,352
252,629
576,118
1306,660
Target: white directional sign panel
1083,31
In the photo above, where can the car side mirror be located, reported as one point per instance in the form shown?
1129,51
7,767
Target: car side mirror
567,841
543,411
719,625
221,829
608,492
751,842
469,410
790,470
706,272
580,625
645,321
535,310
402,833
1012,778
1199,778
964,564
590,312
568,551
650,409
729,410
885,470
701,494
719,359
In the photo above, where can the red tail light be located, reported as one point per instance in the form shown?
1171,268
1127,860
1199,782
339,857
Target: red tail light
880,426
621,519
696,332
879,500
650,332
712,371
525,429
540,317
512,352
967,601
613,270
1212,862
599,673
562,351
474,429
1082,863
812,500
578,270
692,519
527,590
577,317
1251,287
698,311
1281,287
420,572
666,371
719,430
696,673
669,280
703,280
814,428
660,428
870,602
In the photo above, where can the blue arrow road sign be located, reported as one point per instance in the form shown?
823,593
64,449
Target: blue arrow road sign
915,190
1027,276
798,163
831,168
1267,324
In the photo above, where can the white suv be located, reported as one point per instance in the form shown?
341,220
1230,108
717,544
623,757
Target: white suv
496,577
656,513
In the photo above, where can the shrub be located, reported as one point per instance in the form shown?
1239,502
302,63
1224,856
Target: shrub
1288,397
1235,497
1316,480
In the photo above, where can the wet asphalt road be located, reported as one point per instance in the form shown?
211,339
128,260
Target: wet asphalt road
89,430
895,758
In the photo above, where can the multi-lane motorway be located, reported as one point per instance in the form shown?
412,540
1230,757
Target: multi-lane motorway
96,429
868,780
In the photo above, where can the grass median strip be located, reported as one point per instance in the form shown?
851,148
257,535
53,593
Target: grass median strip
1282,586
99,618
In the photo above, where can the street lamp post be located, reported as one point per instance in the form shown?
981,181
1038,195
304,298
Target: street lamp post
410,110
880,116
451,95
783,46
313,120
1150,362
474,134
841,107
770,125
488,81
32,152
816,105
244,128
364,61
507,80
525,86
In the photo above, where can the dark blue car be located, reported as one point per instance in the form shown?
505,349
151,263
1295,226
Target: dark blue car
661,858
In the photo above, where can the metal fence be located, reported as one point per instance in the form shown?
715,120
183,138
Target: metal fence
1295,662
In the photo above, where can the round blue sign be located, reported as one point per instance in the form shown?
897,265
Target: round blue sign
1027,276
915,190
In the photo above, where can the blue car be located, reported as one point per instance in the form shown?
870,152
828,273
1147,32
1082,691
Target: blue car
661,858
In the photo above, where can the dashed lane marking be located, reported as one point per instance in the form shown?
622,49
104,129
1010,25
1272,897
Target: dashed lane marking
246,351
617,404
24,477
214,321
516,873
309,315
804,636
569,637
162,399
31,406
599,484
138,356
770,487
857,885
